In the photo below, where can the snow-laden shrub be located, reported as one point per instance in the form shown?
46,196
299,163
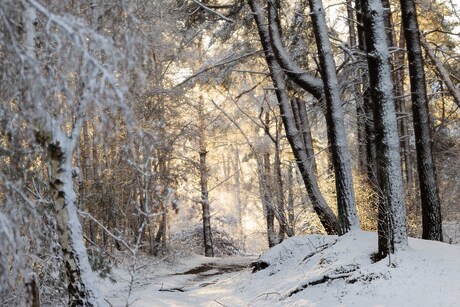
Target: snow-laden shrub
192,240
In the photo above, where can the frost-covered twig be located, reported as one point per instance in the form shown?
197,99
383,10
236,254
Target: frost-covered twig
213,11
225,61
115,237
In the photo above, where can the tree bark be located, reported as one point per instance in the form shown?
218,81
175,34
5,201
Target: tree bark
357,93
369,151
80,286
60,149
265,183
325,214
290,205
32,291
398,82
206,214
431,204
279,189
303,125
348,218
392,212
238,202
309,83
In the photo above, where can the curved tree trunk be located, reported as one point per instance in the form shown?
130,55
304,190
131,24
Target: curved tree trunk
80,280
325,214
348,218
60,149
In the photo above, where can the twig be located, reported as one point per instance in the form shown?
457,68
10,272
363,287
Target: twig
219,303
266,293
212,11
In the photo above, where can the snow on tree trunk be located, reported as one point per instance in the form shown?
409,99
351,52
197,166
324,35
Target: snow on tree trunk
392,211
368,130
431,204
341,159
312,85
81,288
398,81
325,214
300,112
60,147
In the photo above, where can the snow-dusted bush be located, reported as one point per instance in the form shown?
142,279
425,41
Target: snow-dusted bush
192,240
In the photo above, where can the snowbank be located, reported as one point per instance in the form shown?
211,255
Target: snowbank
314,270
331,271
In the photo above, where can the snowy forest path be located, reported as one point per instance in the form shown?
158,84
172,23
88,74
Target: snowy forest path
195,281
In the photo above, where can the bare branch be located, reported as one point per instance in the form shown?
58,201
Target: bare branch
213,11
454,91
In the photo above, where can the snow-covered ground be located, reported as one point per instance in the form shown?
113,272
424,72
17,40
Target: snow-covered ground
312,270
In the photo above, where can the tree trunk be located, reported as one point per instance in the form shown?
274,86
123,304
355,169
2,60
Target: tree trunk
161,233
32,291
266,191
60,150
207,236
431,204
279,190
357,93
300,112
238,203
348,218
398,82
87,182
325,214
369,164
290,206
402,109
206,214
80,280
392,212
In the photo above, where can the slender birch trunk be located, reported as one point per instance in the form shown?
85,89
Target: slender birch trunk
81,290
60,149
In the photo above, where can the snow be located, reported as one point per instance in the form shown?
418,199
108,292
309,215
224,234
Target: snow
322,270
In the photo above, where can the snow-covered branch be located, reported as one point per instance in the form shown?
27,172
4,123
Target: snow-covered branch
453,90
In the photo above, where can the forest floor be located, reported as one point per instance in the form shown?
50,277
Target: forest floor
314,270
186,281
